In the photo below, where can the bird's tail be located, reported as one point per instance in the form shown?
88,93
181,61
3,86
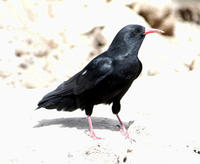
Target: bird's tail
58,102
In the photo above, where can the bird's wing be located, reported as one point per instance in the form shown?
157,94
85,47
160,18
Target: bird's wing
88,78
97,70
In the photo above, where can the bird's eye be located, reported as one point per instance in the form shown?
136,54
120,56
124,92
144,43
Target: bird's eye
137,30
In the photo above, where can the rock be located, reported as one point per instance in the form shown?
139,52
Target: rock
60,136
58,50
66,46
97,39
189,12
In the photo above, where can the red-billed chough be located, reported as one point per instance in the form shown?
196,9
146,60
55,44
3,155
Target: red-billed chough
103,80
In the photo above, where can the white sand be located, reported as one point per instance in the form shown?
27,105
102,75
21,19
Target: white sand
165,111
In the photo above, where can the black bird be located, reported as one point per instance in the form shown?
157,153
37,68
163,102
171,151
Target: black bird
104,80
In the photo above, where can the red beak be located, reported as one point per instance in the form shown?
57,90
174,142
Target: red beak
148,31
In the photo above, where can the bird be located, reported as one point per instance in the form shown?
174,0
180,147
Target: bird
104,80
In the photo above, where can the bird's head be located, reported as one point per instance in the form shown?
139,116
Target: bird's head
131,37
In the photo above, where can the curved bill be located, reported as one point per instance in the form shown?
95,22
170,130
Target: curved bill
148,31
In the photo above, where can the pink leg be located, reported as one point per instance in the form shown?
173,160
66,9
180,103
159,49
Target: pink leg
92,134
123,130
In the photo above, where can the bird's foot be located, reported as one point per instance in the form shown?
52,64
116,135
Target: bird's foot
93,135
123,131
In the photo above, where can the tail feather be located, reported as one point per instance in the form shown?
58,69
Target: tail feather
49,103
58,102
62,98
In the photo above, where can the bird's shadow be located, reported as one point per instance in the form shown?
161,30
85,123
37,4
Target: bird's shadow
82,123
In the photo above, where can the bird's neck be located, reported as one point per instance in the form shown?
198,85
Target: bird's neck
124,52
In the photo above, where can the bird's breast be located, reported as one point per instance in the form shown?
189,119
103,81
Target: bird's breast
127,67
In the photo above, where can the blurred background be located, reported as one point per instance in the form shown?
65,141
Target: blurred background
47,41
44,42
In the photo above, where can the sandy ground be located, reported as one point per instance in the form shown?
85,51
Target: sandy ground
162,113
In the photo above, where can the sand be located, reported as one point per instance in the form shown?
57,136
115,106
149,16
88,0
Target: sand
162,113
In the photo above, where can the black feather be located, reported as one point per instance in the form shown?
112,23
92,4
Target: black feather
105,79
